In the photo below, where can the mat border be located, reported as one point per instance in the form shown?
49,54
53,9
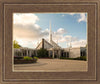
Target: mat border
50,12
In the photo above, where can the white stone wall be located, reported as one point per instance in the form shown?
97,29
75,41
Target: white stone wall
74,52
24,52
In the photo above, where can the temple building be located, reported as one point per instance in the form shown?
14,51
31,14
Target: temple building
54,50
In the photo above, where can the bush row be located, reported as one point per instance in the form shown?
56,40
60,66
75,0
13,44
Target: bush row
81,58
78,58
25,58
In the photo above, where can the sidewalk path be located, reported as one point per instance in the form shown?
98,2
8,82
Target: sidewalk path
53,65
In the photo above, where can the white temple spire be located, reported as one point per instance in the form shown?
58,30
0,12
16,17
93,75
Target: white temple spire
50,33
70,43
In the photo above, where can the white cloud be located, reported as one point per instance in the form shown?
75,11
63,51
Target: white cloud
82,18
63,15
79,43
58,35
28,33
61,31
25,27
71,13
27,43
75,42
67,13
25,18
26,30
61,38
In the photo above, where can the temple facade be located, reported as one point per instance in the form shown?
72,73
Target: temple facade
54,50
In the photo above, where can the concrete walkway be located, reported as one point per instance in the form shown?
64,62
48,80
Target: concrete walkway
53,65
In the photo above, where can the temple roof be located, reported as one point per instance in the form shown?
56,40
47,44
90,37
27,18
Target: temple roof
46,45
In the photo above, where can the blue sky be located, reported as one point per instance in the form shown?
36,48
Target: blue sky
68,22
65,26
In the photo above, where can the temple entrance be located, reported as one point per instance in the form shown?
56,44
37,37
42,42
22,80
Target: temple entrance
55,56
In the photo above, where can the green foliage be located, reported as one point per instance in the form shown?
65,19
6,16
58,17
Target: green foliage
27,58
35,58
81,58
15,44
78,58
42,53
18,58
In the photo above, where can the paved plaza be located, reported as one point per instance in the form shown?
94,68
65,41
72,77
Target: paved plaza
53,65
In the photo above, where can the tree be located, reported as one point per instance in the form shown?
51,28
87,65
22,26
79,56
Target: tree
42,53
15,44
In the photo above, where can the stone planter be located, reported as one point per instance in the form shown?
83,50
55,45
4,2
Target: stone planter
22,61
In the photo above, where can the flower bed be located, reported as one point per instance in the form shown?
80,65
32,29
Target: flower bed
22,61
25,60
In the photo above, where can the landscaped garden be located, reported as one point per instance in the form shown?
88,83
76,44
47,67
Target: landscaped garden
25,60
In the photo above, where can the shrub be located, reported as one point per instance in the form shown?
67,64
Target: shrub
35,58
81,58
27,58
18,57
42,53
78,58
62,58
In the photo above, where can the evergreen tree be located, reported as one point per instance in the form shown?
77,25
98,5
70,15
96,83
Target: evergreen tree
42,53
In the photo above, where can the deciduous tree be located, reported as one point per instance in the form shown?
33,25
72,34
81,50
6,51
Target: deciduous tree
15,44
